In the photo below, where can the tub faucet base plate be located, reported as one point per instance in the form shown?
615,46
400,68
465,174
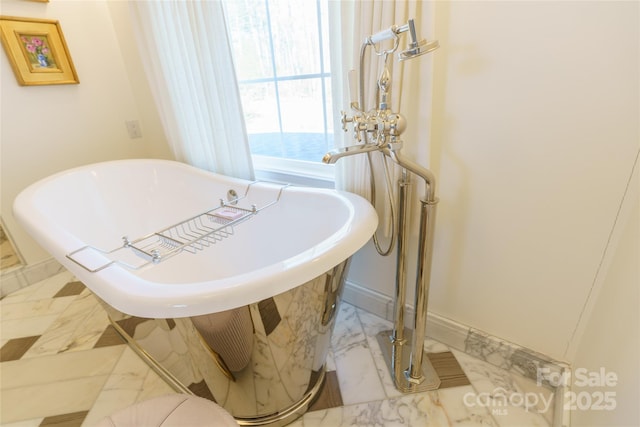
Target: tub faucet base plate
396,356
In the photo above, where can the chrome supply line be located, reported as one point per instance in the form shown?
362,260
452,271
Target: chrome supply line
379,130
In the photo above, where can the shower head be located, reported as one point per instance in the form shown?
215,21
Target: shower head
419,48
416,48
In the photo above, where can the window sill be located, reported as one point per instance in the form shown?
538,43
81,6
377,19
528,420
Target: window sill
297,172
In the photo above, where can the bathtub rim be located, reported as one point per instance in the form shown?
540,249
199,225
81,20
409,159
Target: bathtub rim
131,294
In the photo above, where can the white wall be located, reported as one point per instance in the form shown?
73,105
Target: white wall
610,336
535,130
46,129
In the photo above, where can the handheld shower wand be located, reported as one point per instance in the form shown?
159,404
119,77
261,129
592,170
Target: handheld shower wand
415,48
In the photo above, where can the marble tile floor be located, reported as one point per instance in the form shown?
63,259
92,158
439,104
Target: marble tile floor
61,364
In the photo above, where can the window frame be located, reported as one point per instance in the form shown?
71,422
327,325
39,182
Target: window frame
297,171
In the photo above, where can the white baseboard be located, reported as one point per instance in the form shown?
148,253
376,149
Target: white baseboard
441,329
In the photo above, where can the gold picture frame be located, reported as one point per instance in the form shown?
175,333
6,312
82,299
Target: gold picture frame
37,51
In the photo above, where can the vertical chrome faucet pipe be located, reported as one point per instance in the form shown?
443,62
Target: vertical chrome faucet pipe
401,290
428,203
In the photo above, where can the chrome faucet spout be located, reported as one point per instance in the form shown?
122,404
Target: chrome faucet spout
338,153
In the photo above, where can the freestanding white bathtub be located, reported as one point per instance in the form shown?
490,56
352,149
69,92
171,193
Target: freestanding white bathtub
299,237
246,276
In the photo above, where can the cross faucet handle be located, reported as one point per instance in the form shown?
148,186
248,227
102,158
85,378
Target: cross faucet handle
345,120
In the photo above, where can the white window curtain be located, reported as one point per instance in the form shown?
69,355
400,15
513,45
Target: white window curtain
185,48
351,22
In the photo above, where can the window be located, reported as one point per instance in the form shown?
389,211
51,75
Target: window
281,54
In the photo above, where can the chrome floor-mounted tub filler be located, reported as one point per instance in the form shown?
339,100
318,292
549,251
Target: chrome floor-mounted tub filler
379,130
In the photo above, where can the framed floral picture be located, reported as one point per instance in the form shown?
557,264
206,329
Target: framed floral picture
37,51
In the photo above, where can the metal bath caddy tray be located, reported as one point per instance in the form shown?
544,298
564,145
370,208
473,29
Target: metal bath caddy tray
191,235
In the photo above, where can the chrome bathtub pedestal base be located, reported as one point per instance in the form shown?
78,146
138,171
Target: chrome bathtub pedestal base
263,363
288,415
276,419
398,362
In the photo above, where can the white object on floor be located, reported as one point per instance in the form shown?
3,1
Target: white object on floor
172,410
